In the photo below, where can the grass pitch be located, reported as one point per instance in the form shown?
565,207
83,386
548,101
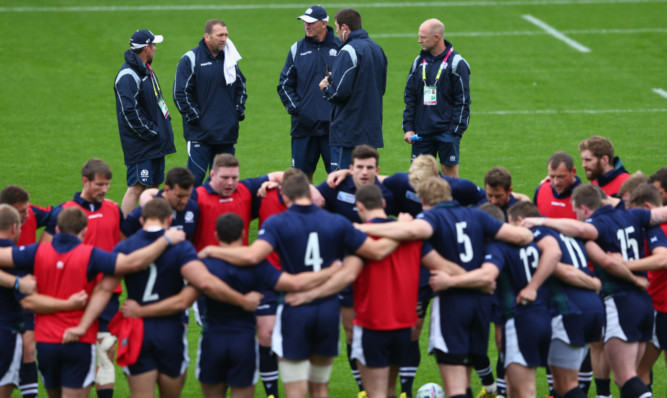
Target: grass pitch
532,93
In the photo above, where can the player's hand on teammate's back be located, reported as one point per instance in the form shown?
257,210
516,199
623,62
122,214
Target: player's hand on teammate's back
265,187
78,300
72,335
252,300
130,309
336,177
27,284
405,217
175,235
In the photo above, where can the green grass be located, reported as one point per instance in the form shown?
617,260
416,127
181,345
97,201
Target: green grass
528,90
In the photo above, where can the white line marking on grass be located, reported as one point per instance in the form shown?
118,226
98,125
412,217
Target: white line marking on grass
528,33
299,6
660,92
570,111
557,34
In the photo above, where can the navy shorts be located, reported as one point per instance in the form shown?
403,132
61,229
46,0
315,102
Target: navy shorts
165,348
307,329
341,158
69,365
269,303
227,357
148,173
460,326
306,152
28,320
109,312
526,338
381,348
11,356
578,329
346,297
200,157
443,146
660,330
629,316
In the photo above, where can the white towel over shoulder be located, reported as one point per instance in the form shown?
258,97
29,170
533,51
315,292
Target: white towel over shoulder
232,57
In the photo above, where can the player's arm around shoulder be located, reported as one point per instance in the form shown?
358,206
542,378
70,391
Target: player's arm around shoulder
417,229
169,306
142,258
307,280
348,272
244,255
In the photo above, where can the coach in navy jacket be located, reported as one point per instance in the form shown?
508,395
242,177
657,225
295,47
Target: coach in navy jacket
145,133
211,103
358,82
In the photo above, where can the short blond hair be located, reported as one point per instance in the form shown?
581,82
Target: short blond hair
434,190
422,168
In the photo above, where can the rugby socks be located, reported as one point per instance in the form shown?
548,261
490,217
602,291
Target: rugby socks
501,388
603,387
353,367
407,373
28,380
586,374
106,393
575,393
634,388
268,371
483,369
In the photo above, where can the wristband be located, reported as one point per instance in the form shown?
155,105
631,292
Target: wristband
168,240
16,284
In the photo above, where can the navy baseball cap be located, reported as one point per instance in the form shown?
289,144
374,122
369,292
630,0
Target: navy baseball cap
144,37
314,13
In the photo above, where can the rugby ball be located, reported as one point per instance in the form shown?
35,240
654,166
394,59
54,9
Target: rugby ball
430,390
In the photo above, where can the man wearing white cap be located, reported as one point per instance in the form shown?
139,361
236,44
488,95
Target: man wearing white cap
144,123
307,62
210,93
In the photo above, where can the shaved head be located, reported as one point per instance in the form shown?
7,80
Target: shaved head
434,26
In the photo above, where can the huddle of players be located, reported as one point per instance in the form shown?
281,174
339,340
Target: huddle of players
308,239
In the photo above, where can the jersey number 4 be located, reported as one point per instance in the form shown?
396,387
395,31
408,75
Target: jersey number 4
313,258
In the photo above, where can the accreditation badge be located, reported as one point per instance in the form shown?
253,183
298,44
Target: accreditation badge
430,95
163,107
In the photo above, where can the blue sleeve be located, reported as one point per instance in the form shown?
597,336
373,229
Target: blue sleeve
353,238
127,91
53,219
411,97
253,184
490,224
287,85
184,89
655,236
343,76
186,252
642,216
101,262
460,83
426,247
24,257
42,215
131,223
466,192
494,255
240,94
268,232
328,193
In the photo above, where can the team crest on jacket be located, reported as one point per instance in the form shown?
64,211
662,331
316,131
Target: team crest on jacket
333,52
189,216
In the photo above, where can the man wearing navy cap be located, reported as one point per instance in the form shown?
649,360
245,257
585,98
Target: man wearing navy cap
144,123
307,62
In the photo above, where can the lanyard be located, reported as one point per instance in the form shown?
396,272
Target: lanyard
442,66
154,83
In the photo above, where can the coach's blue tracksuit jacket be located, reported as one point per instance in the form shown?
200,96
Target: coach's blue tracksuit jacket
144,131
359,79
451,113
210,107
299,84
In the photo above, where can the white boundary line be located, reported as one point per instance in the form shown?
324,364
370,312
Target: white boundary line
660,92
528,33
404,4
570,111
557,34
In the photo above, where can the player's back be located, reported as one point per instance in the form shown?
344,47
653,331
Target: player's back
308,238
162,278
459,232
